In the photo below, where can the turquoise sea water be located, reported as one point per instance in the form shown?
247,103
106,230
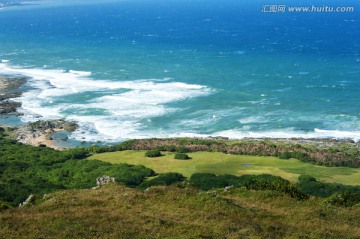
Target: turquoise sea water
141,68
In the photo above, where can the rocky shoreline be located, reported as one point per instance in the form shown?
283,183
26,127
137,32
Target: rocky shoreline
35,133
10,87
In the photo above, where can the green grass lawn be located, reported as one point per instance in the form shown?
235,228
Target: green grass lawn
220,163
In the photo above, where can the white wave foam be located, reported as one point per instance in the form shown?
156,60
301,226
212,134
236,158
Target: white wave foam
124,105
4,61
80,73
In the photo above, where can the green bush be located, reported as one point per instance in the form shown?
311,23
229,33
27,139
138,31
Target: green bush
169,148
206,181
181,150
313,187
153,153
286,155
163,179
182,156
277,184
345,199
295,155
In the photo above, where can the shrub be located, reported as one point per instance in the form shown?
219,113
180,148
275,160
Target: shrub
345,199
170,148
285,155
207,181
181,150
163,179
313,187
306,179
295,155
182,156
153,153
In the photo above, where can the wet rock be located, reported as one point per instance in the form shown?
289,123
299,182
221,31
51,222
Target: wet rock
9,89
7,107
52,125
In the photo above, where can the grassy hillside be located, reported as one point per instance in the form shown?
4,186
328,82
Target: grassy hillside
220,163
115,211
228,206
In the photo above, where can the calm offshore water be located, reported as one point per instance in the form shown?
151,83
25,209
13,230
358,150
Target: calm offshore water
139,69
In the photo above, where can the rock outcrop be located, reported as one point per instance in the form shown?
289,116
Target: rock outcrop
101,181
29,200
39,132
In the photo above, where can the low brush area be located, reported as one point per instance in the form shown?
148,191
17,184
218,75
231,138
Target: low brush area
181,211
204,196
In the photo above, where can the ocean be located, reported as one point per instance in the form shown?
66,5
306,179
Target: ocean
178,68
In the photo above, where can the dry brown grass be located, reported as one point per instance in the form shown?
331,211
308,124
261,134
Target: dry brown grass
178,212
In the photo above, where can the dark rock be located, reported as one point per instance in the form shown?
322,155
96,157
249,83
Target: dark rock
7,107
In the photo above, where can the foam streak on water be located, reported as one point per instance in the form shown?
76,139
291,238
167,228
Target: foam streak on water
121,114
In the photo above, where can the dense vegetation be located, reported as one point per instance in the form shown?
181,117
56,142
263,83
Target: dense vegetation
312,186
26,170
179,211
208,181
344,153
339,195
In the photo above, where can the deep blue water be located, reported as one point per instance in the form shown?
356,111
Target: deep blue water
135,69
